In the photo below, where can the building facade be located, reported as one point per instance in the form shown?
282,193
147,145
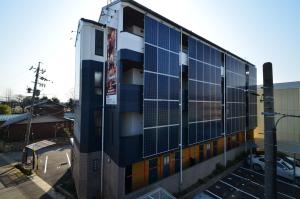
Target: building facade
286,101
171,106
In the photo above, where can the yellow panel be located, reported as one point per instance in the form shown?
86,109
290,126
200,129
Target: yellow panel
138,175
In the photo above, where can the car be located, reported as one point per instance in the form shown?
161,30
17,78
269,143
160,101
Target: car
284,168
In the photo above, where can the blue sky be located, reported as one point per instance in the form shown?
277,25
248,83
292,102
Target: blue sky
34,30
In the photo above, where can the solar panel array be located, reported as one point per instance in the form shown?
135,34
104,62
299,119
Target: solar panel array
161,88
204,92
235,95
252,103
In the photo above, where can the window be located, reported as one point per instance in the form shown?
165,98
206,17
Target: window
99,42
98,83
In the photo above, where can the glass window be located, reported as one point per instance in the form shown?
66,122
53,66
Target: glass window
99,42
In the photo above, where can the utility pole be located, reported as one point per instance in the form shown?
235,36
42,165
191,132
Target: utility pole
35,93
270,142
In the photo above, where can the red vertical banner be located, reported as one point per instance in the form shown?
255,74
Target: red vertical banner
111,70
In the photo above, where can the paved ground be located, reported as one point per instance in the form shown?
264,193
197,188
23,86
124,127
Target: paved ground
53,164
245,183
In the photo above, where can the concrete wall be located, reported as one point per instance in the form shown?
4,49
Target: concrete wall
190,175
86,171
288,129
113,179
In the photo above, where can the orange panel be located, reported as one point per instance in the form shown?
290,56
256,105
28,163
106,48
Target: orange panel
197,154
185,159
138,175
146,171
172,163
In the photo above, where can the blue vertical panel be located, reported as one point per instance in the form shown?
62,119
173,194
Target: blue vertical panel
162,113
200,72
174,40
150,30
206,54
192,47
150,58
192,90
174,64
200,132
235,85
173,137
150,113
149,142
192,69
206,130
199,50
162,139
199,91
192,133
207,98
174,88
163,61
150,89
163,36
174,113
161,86
200,111
192,111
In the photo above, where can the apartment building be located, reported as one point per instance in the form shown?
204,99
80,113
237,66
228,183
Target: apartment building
156,104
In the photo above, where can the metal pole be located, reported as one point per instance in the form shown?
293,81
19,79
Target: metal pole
270,133
181,177
294,167
102,135
224,116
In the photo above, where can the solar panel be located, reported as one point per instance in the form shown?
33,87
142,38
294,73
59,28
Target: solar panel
235,95
161,87
204,92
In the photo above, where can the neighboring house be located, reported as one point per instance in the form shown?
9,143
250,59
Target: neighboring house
48,122
165,87
286,101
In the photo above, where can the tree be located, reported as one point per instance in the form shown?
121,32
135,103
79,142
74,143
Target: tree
5,109
55,100
70,104
44,98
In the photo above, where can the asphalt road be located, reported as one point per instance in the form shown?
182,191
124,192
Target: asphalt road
53,163
245,183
